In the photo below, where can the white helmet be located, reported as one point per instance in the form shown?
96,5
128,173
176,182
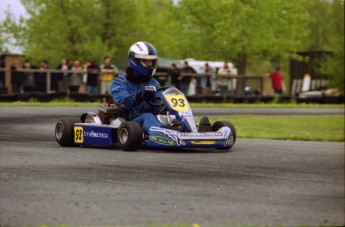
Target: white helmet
139,51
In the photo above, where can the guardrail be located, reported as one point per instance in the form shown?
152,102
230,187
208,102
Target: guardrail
48,73
255,82
252,81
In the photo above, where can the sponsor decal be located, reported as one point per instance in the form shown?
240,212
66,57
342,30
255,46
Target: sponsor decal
203,142
230,140
162,140
78,134
96,135
171,134
201,134
186,114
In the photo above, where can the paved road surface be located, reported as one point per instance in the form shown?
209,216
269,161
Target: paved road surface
258,182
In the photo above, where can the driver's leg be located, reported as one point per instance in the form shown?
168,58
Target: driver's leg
148,120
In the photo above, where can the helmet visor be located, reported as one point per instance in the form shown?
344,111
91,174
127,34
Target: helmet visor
144,56
148,63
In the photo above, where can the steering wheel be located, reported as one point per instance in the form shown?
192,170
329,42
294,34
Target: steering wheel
162,88
152,101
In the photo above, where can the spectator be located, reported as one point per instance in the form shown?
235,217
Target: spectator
40,79
174,74
207,80
2,73
108,71
29,83
186,80
87,63
76,78
62,78
17,77
92,78
277,81
222,81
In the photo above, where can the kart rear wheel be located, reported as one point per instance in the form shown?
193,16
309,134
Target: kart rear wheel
218,124
129,136
64,131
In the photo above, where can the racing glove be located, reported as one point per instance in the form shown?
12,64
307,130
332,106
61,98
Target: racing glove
144,96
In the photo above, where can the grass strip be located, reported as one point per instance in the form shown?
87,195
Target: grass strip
297,127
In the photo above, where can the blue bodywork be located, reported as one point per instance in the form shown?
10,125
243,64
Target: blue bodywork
96,135
176,105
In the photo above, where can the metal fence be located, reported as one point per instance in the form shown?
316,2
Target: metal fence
255,83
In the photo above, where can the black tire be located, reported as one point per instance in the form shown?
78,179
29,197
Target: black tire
218,124
129,136
64,131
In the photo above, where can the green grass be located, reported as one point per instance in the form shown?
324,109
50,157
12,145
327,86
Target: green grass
300,127
266,105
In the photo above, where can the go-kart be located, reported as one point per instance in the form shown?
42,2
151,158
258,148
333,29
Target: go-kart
110,127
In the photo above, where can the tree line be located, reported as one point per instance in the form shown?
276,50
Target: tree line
253,34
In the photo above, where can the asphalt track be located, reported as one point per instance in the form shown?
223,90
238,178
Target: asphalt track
259,182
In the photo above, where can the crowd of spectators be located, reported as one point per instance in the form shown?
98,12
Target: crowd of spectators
92,78
205,81
66,77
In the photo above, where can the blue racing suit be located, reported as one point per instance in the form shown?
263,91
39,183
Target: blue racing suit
124,93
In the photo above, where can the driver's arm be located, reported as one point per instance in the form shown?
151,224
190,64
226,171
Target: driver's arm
120,93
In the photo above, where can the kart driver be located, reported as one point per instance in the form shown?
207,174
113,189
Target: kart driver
128,89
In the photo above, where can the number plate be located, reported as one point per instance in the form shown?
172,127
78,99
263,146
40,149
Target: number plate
78,134
177,102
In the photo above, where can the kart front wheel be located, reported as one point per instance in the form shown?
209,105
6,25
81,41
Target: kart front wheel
218,124
129,136
64,131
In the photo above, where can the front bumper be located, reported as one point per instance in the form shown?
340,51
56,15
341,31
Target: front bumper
166,138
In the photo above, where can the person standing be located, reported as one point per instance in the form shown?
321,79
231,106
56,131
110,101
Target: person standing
17,77
222,80
277,80
174,74
185,80
206,81
28,84
92,78
62,78
108,71
76,78
40,78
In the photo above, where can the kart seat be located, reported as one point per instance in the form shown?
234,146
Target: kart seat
105,113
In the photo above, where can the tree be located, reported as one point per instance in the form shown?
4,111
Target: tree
335,65
7,39
158,24
318,29
58,28
242,30
4,39
76,29
326,32
93,28
236,30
